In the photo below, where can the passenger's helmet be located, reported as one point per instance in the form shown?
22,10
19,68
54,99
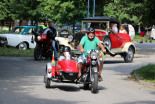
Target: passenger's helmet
91,30
45,19
66,49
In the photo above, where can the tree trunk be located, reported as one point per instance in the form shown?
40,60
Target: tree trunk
10,25
2,23
31,22
73,27
20,22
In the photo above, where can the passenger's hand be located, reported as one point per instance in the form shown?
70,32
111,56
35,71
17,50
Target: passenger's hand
104,50
82,50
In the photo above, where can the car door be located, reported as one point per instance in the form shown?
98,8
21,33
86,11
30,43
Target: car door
114,40
123,38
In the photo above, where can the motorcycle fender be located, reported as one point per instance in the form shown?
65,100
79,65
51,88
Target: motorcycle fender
127,45
49,66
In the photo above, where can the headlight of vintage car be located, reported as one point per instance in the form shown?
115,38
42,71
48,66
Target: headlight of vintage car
3,40
70,38
93,55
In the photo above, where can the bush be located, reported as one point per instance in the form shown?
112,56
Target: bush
147,72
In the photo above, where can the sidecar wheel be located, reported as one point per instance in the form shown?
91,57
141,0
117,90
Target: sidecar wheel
47,84
94,83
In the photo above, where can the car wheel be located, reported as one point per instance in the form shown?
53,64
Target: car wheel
107,41
23,46
128,57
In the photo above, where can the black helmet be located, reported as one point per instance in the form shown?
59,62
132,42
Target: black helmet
91,30
66,49
45,19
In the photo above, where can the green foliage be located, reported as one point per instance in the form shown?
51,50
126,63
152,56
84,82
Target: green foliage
64,12
72,11
133,12
147,72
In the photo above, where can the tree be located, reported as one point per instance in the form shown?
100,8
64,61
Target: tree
133,12
64,12
25,9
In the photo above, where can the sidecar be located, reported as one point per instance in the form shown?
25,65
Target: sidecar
63,71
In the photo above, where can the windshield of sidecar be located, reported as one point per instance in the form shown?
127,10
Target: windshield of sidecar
102,25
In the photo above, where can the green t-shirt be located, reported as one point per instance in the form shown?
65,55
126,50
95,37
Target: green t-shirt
89,44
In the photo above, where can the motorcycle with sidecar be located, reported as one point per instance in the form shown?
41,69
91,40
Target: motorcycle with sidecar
67,71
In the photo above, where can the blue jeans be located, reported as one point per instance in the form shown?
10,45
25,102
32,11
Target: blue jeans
54,48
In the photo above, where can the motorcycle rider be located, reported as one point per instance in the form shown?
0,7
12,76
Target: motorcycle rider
45,24
51,33
88,43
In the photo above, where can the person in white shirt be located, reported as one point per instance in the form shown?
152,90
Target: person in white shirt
114,28
66,54
122,29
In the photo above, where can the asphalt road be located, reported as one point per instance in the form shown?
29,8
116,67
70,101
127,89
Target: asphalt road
145,48
21,82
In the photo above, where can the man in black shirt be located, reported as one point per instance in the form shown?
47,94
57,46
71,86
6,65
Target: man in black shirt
51,33
148,36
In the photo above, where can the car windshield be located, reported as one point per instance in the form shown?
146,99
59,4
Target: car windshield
17,30
95,25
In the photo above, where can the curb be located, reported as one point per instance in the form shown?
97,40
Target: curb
136,78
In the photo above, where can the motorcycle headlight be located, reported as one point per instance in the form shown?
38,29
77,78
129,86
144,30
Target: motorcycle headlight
93,62
93,55
39,38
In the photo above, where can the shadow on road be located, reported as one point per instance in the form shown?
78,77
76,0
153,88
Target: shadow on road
65,87
113,61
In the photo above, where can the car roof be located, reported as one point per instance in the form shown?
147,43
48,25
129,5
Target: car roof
111,19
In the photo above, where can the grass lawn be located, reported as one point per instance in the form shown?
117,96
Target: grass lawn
14,52
147,73
137,39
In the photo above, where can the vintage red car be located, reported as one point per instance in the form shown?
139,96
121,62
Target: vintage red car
116,44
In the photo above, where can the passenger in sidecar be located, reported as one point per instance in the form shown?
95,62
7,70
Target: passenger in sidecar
66,53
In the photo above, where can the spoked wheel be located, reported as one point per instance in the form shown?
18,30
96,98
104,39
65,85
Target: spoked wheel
128,57
94,83
107,41
37,53
22,46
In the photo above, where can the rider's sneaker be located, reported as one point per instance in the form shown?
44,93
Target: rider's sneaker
100,78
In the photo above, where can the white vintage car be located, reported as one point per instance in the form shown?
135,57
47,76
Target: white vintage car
21,37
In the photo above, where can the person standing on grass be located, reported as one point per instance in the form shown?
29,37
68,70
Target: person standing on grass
142,32
148,36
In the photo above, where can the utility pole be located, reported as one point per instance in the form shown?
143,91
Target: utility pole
94,9
88,9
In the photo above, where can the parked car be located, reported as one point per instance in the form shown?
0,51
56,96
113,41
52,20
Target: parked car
153,32
116,44
19,36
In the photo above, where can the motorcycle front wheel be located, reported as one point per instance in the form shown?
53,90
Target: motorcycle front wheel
37,53
94,83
